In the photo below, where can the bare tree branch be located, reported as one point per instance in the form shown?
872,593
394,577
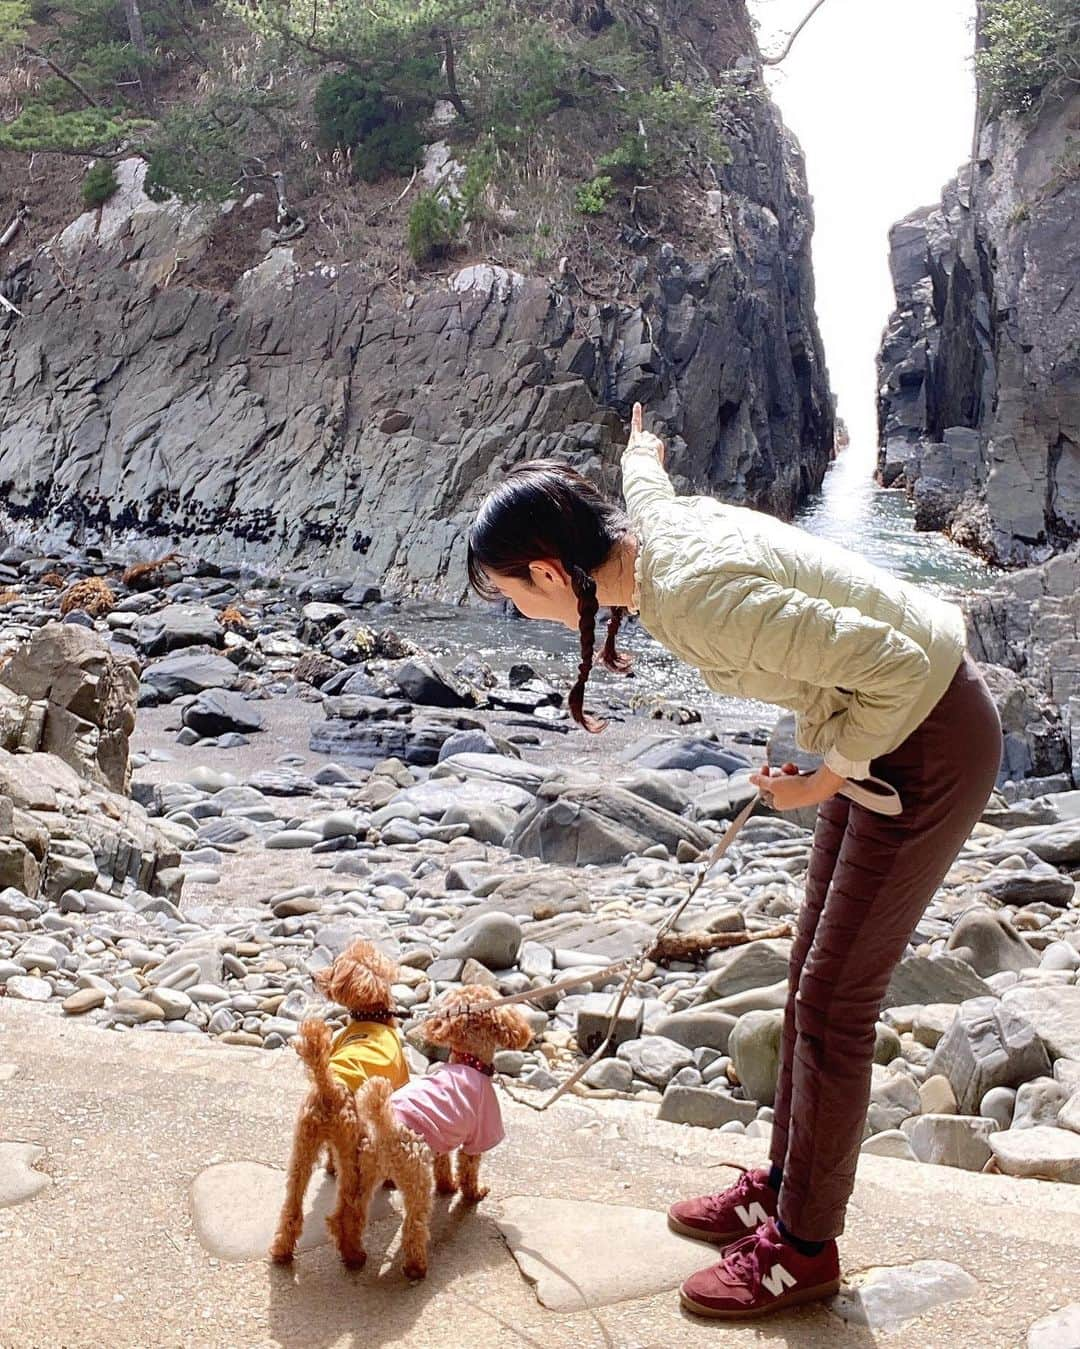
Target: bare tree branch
61,73
14,227
775,60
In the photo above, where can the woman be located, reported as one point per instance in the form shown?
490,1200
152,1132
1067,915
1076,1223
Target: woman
878,676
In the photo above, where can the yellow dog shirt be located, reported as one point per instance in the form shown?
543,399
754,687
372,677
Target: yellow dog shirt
368,1049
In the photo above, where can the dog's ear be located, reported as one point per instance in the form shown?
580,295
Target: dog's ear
514,1030
441,1028
322,979
366,953
436,1030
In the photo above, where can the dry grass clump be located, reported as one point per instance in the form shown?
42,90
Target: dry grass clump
92,596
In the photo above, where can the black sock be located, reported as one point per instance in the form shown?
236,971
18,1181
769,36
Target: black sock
775,1177
804,1247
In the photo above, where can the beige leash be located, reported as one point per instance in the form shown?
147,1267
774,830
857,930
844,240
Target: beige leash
636,965
872,793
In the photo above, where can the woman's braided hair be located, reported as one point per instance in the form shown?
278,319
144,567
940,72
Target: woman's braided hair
546,510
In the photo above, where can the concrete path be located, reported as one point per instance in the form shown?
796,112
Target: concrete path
140,1176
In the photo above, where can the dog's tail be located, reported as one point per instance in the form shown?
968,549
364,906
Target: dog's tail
373,1100
313,1044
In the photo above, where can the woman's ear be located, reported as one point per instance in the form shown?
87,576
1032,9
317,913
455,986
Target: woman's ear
548,573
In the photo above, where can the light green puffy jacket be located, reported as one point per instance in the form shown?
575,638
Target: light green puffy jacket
767,611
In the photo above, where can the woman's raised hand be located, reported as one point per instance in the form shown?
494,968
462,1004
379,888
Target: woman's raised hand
640,439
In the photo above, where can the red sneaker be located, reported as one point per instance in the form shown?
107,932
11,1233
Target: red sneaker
728,1216
759,1275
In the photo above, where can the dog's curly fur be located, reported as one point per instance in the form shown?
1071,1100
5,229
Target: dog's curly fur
360,980
463,1026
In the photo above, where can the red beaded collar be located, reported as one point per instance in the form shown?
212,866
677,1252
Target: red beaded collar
471,1061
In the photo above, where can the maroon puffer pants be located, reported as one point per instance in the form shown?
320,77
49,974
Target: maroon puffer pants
869,881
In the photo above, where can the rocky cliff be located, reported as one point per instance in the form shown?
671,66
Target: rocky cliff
313,415
979,370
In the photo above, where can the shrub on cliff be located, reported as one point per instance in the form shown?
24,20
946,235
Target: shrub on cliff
99,184
433,228
354,114
1030,48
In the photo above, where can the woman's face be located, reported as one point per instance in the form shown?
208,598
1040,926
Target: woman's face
547,593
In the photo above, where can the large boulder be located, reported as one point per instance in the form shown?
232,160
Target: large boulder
190,672
754,1046
1054,1012
80,697
988,1044
217,711
177,626
989,943
597,824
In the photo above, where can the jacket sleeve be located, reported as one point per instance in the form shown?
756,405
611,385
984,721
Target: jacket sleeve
757,624
645,484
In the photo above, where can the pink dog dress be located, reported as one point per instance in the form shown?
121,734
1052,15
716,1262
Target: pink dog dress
453,1107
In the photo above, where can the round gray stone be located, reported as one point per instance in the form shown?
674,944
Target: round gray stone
754,1047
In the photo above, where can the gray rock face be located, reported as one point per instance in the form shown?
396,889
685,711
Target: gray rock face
755,965
177,626
289,377
980,417
1058,1330
190,672
594,1021
988,1045
74,697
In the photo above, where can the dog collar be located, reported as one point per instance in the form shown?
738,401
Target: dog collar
471,1061
383,1015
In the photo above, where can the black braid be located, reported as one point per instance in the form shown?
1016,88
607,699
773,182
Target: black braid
585,590
614,661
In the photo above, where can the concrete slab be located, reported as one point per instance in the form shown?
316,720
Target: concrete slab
108,1254
18,1179
235,1208
580,1254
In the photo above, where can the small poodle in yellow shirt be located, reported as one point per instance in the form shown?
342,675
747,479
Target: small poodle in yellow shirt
360,980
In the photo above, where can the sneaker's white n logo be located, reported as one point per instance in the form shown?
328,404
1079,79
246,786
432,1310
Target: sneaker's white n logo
778,1279
751,1216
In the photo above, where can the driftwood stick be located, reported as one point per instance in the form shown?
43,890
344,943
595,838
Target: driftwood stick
688,945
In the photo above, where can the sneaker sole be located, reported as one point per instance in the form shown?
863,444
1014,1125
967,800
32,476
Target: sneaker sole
780,1304
701,1234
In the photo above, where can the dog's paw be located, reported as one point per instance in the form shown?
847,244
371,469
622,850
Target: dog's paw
281,1255
447,1185
414,1270
354,1259
475,1196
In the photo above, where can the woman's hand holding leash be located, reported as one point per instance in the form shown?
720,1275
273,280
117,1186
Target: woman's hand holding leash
788,789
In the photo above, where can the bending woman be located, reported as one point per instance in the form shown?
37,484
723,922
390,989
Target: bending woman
877,673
